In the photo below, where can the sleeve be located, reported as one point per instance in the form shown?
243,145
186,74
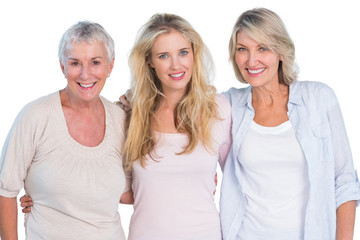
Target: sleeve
16,156
226,122
346,181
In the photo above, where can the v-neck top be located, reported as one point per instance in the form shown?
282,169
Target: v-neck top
75,188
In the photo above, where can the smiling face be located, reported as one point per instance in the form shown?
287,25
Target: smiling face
258,65
86,67
173,59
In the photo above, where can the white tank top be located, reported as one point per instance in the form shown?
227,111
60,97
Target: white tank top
275,183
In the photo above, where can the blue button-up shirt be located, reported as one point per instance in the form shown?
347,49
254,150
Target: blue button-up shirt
315,114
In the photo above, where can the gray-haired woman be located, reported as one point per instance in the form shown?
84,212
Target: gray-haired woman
65,149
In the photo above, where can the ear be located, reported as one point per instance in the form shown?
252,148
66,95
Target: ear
62,67
111,65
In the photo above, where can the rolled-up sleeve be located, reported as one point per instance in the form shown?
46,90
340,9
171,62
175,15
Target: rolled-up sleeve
347,186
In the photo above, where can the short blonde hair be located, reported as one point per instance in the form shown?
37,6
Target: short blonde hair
266,27
194,112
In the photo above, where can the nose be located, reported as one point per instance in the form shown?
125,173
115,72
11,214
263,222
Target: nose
174,62
252,58
85,72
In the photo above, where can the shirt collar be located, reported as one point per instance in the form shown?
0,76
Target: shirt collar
295,93
246,98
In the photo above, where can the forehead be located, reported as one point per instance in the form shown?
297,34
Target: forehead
85,48
243,37
173,40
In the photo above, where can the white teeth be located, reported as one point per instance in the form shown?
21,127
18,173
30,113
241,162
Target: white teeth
177,75
256,71
87,85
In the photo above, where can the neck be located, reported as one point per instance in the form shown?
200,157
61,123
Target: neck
268,94
170,100
70,101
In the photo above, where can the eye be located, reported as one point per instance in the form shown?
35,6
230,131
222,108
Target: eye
241,49
182,53
163,56
96,62
74,63
263,49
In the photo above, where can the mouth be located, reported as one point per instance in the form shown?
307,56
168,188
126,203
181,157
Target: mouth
255,71
177,75
87,85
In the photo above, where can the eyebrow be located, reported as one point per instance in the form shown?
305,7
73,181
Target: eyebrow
75,59
259,45
161,53
181,49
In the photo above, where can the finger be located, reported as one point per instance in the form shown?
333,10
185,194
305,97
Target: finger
26,210
26,204
128,95
25,199
126,108
122,99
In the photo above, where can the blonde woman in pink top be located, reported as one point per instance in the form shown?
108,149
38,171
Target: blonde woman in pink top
179,130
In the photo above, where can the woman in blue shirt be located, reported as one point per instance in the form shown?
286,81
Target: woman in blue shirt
290,173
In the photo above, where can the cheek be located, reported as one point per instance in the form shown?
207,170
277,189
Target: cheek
272,60
70,74
104,72
190,65
275,63
239,61
190,60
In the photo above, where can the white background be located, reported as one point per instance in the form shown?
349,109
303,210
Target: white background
325,32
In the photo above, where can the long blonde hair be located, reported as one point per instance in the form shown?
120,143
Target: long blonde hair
196,110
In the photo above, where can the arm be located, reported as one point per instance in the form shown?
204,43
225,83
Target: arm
347,189
8,218
216,182
224,109
127,197
345,220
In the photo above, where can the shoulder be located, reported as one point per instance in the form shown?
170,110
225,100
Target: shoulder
223,105
315,87
114,110
224,109
316,92
39,108
221,100
116,118
233,92
237,94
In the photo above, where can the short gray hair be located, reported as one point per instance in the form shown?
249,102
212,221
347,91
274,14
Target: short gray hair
86,31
